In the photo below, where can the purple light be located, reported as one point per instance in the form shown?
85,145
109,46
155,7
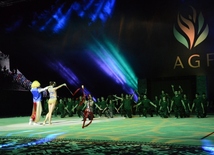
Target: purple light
67,74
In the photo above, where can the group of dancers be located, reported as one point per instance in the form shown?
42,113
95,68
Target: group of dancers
36,91
182,106
162,105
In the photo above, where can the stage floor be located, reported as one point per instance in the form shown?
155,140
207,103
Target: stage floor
191,131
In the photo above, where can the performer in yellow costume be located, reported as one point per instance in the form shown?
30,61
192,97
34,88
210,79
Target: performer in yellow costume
52,90
37,97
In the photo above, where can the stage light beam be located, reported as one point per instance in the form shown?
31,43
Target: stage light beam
113,64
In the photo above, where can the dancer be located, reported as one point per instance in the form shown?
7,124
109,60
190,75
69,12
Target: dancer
52,100
37,97
127,105
139,106
79,106
180,91
205,103
147,103
103,107
164,108
156,102
178,106
88,107
187,105
198,105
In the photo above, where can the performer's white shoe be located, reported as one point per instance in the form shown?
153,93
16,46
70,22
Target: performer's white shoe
30,121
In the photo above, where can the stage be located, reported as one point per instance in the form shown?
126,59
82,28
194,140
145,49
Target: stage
152,134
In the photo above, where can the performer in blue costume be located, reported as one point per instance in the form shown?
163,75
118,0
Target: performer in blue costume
37,97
